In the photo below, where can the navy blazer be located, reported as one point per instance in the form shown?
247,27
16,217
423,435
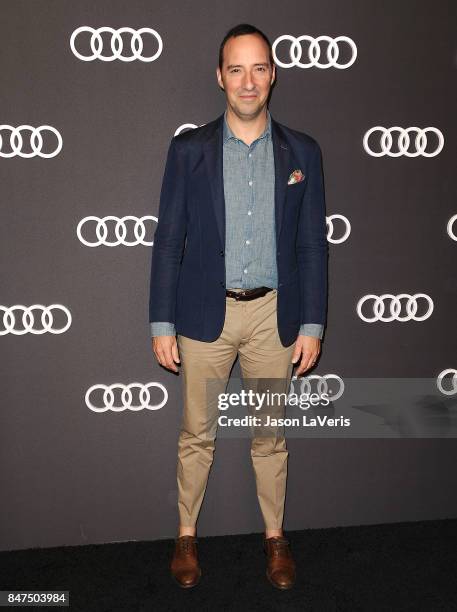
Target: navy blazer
187,285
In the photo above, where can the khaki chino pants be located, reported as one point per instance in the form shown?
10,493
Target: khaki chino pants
250,330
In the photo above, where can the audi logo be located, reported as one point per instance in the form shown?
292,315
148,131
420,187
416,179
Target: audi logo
420,142
120,230
186,126
117,45
28,319
330,228
395,306
322,386
36,141
439,382
314,51
450,227
126,398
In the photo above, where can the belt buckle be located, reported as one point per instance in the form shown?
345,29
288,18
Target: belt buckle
239,293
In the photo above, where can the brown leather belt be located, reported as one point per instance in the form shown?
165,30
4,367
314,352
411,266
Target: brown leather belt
248,294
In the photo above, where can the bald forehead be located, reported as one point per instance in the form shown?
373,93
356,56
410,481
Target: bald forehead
246,50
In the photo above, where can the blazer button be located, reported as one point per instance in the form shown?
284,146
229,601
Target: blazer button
222,284
221,253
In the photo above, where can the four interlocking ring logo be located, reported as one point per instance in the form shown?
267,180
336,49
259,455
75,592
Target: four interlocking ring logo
330,228
28,319
439,382
314,51
36,140
322,386
117,45
420,142
450,227
144,397
394,302
120,230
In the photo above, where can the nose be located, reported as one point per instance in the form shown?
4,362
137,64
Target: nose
248,81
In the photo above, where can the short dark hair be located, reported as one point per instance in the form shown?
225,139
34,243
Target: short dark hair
239,30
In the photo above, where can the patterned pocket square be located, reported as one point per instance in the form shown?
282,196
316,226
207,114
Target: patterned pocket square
296,177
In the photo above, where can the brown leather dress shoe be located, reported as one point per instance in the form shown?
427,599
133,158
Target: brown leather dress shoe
184,565
280,564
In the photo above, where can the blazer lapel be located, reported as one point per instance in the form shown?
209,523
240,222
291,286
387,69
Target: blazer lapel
214,160
281,153
213,154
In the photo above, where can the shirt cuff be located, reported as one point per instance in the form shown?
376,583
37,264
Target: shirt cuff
312,329
162,328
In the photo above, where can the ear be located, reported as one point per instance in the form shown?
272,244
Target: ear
219,77
274,74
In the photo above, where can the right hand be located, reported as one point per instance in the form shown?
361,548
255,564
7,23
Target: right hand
166,351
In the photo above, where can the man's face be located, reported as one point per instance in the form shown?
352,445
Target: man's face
246,75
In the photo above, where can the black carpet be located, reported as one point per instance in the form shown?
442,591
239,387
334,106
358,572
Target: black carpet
401,566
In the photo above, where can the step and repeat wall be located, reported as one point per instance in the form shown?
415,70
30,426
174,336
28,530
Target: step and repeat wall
92,93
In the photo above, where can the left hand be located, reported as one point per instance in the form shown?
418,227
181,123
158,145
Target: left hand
308,347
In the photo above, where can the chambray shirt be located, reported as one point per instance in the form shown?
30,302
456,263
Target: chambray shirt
250,238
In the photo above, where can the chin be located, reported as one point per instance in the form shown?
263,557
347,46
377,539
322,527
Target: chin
250,109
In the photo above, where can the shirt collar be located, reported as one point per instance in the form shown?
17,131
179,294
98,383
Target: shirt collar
229,134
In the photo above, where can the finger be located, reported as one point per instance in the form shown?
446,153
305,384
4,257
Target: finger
312,362
175,352
161,357
306,363
305,357
164,357
301,368
169,363
296,355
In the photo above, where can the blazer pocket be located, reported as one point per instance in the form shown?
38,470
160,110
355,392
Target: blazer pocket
296,185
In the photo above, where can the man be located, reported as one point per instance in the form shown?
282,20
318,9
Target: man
239,267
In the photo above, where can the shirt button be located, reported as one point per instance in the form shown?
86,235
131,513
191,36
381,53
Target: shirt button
250,155
249,212
248,242
250,183
245,271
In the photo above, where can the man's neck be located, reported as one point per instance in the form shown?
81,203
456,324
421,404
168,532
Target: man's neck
247,131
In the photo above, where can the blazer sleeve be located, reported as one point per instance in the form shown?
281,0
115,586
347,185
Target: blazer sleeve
169,238
312,245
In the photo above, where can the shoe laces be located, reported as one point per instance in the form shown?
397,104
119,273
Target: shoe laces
279,545
185,543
